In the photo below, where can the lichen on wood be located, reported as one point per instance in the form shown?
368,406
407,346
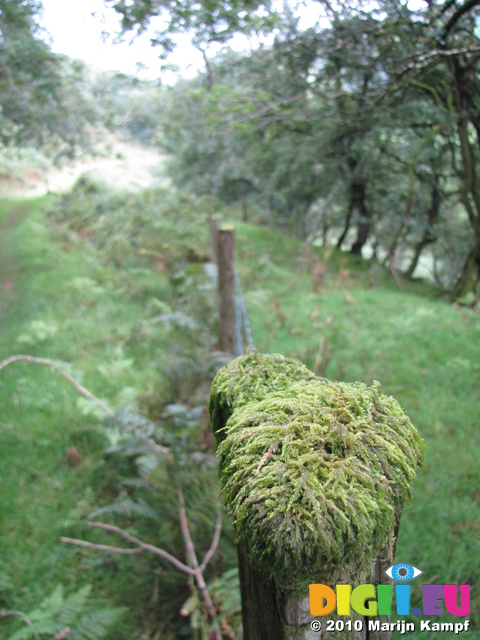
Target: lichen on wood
315,473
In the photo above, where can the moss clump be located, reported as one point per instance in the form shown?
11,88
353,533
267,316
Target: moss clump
247,379
314,472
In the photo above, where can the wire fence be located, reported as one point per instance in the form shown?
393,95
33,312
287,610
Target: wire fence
241,319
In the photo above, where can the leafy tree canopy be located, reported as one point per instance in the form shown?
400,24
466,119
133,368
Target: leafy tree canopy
42,98
397,84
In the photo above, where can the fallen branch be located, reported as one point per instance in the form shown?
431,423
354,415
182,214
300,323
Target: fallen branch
20,614
87,394
198,571
195,570
53,365
142,546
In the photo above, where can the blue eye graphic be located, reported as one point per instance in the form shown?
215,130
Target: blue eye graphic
402,572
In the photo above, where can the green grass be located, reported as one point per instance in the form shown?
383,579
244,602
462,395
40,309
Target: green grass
81,281
65,303
423,350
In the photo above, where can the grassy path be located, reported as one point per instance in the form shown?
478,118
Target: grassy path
9,215
44,493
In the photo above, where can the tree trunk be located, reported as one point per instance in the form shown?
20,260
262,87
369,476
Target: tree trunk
244,209
392,249
358,194
214,237
348,219
428,236
469,280
465,87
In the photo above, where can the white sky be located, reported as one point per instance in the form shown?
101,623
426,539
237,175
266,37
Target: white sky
77,33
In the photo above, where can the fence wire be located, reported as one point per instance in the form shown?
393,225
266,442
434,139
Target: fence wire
241,319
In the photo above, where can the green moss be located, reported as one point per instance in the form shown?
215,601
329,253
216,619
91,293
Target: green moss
247,379
314,473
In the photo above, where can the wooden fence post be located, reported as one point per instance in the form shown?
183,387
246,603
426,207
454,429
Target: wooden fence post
315,475
226,289
214,236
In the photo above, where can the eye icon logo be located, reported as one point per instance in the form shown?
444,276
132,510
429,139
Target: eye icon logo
403,572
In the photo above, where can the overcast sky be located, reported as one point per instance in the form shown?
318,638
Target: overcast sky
77,30
77,33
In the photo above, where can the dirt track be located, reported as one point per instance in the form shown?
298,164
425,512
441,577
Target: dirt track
128,166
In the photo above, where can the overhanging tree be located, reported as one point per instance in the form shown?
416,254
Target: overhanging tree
431,52
41,97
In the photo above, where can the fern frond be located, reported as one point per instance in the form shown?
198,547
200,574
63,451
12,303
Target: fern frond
95,625
41,628
74,606
54,602
127,507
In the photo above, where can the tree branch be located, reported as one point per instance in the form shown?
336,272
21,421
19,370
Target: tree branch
215,541
185,532
198,571
142,546
99,547
470,4
424,59
20,614
49,363
86,393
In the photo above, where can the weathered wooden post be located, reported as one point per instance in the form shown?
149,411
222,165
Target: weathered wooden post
315,475
214,236
226,288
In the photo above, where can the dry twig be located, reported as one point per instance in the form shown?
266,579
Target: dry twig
87,394
20,614
195,570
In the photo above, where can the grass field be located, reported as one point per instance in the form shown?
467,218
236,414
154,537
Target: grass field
84,281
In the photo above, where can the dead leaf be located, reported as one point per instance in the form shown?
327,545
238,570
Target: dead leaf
73,456
295,330
316,312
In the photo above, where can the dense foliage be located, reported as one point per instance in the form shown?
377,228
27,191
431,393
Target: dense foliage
363,128
42,96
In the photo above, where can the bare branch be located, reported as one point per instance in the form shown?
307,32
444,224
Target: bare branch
145,546
163,451
198,571
49,363
99,547
425,58
142,546
20,614
192,556
468,6
81,389
215,541
195,571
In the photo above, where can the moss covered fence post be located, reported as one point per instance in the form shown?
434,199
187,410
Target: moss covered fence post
315,475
